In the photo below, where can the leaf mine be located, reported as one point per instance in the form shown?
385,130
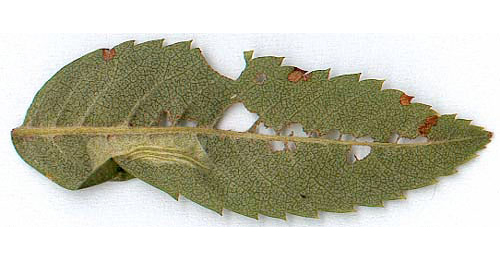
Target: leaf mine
307,141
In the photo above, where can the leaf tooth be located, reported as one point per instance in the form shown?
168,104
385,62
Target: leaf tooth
311,214
248,55
453,116
185,45
151,44
270,61
348,77
318,75
125,45
280,60
376,84
466,122
279,215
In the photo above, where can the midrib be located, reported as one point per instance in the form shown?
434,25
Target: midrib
26,132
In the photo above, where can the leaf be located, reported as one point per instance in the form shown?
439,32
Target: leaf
100,119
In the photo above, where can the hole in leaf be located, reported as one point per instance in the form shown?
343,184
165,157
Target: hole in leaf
347,137
291,146
418,140
350,157
332,134
314,134
187,123
397,139
293,130
394,138
365,139
263,130
237,118
275,145
360,152
164,120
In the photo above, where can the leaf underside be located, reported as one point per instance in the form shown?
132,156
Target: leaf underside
100,119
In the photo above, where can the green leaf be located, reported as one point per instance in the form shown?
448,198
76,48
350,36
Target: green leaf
101,119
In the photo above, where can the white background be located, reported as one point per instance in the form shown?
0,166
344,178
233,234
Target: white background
456,73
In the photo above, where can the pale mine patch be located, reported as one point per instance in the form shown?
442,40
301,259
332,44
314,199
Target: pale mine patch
159,149
397,139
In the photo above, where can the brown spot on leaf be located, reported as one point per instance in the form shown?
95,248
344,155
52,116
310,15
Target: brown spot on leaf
432,120
307,76
49,176
490,135
405,100
108,54
298,74
260,78
425,128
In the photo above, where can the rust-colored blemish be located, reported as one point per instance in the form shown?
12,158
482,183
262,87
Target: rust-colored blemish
49,176
307,76
108,54
432,120
490,135
297,74
425,128
405,100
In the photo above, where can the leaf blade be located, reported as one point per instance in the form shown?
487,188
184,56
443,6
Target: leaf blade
98,120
